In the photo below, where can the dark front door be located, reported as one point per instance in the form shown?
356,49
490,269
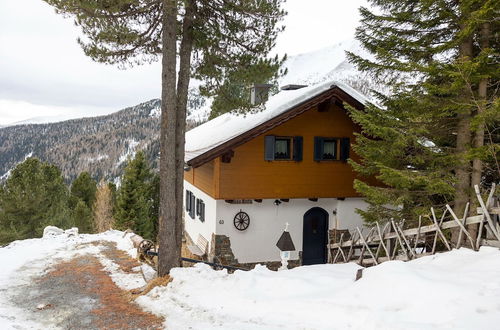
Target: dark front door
315,236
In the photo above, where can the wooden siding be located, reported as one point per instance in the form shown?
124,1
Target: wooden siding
203,177
249,176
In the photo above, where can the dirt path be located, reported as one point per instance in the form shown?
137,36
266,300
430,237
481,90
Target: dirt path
79,294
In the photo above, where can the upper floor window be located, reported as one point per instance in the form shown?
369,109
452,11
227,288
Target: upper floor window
326,148
283,148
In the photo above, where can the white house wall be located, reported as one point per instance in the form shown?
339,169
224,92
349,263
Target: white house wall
267,221
195,227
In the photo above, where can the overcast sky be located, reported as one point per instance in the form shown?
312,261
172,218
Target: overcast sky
43,71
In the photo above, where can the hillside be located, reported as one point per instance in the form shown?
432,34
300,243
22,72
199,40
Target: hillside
99,145
102,144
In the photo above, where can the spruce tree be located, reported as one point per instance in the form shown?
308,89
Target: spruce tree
200,38
134,200
33,197
84,188
82,218
425,141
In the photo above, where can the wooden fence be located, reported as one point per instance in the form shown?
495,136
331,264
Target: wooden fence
393,242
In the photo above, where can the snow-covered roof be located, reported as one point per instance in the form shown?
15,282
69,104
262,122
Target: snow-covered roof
231,125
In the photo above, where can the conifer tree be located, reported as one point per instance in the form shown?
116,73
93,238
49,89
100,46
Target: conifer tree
426,141
82,218
84,188
134,200
33,197
200,38
81,200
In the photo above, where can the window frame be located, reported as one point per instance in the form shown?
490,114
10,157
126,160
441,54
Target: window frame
336,155
289,140
294,148
342,149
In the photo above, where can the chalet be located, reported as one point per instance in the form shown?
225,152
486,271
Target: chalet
246,176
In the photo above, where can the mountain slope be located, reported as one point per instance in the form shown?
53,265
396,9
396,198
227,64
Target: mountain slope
99,145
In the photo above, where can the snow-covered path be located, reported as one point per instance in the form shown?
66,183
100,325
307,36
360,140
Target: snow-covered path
455,290
75,281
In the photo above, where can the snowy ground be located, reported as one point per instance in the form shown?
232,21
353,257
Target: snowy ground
455,290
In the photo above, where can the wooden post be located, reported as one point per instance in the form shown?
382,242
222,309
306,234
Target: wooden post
438,229
366,245
486,214
461,226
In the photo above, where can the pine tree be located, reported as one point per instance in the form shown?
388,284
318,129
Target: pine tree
134,200
33,197
82,218
439,59
207,37
84,188
81,200
103,208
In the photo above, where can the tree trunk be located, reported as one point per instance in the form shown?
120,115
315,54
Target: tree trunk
182,95
168,255
477,164
478,142
462,170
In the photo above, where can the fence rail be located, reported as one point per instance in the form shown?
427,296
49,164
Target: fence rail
392,242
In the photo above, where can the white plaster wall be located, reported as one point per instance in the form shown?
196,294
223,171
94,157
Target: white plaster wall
267,221
195,227
347,218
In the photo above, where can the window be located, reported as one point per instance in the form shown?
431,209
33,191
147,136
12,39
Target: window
331,148
200,209
282,148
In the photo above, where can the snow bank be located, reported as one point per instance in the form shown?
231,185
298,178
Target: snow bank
454,290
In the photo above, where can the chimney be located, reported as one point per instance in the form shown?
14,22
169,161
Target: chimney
292,87
259,93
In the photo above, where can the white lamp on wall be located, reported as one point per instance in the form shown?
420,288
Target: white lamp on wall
285,244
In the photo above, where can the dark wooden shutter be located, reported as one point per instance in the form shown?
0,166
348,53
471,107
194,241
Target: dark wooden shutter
269,147
297,148
202,211
188,200
345,146
318,148
192,210
197,206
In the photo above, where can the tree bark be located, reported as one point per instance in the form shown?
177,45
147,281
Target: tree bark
182,95
478,141
477,164
463,141
168,251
